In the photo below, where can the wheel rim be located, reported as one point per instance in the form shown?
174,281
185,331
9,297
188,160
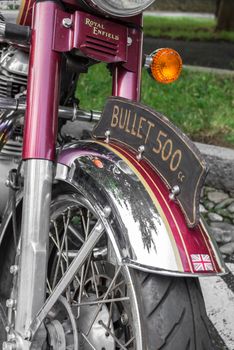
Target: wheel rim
101,295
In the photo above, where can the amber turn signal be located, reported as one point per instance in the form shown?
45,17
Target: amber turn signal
164,65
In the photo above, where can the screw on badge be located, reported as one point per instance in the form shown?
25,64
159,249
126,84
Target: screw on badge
141,150
14,269
129,41
7,329
107,134
174,192
28,335
10,303
106,211
67,22
124,319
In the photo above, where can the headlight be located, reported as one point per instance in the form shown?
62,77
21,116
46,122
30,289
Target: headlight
120,8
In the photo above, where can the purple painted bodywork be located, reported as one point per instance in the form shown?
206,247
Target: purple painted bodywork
107,41
69,155
127,77
43,87
98,38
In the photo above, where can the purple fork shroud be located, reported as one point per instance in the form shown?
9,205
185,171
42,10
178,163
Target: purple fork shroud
43,87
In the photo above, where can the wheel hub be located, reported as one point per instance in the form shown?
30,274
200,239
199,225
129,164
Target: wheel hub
91,329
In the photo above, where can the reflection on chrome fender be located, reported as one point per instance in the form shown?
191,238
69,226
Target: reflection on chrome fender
152,233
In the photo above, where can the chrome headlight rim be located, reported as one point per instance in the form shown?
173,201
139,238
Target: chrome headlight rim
104,7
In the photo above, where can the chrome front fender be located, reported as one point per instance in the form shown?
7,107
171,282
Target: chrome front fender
150,230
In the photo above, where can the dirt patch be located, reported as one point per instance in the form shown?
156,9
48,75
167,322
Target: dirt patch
216,139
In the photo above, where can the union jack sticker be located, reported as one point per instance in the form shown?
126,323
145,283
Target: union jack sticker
202,262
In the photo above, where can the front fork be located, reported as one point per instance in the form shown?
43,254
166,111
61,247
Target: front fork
34,233
38,155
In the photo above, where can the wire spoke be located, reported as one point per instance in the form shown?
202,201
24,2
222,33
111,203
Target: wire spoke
80,289
84,269
57,246
94,280
68,290
83,222
48,286
88,341
129,342
104,298
117,285
96,283
101,301
61,246
75,233
88,224
110,313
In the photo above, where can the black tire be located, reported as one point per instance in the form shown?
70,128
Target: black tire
164,313
173,313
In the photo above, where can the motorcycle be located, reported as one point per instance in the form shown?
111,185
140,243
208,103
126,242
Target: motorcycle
101,239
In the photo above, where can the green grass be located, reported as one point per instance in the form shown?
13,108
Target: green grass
201,104
184,28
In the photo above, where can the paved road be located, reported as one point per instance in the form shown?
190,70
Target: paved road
179,14
219,299
197,53
11,15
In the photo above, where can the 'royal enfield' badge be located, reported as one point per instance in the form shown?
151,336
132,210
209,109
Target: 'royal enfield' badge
99,29
174,157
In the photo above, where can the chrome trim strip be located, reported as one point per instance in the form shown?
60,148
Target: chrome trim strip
163,272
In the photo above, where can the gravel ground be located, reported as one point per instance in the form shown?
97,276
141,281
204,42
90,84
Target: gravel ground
219,299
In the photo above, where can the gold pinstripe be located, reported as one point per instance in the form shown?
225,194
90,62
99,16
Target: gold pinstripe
23,9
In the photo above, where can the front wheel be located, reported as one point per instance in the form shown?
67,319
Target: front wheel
109,306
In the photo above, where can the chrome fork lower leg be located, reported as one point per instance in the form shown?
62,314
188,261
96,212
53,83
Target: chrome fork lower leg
34,242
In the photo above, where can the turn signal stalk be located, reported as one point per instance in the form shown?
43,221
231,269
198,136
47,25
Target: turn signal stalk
164,65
